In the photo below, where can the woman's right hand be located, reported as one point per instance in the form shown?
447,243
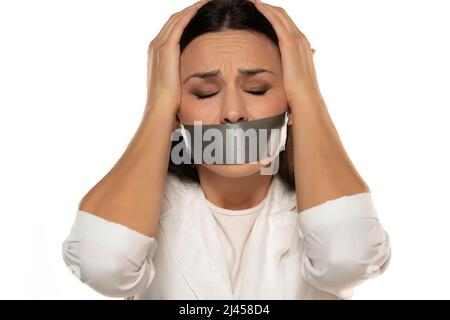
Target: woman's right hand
163,75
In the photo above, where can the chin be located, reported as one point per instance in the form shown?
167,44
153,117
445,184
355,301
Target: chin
234,170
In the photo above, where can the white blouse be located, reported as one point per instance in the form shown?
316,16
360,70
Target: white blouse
234,228
204,252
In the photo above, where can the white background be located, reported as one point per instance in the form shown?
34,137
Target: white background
73,88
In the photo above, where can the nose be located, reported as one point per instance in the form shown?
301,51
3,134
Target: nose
233,118
233,111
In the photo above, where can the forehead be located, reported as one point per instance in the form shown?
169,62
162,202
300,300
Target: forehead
230,49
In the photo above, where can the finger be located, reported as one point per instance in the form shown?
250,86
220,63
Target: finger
280,29
289,23
280,12
286,20
176,17
181,23
164,34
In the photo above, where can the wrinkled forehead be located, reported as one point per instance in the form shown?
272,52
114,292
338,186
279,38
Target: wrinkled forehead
229,50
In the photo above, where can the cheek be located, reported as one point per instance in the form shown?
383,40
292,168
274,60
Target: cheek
192,109
273,103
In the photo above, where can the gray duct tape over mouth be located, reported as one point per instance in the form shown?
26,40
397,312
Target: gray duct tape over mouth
234,143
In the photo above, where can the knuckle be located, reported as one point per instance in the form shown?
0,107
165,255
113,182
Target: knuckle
302,39
164,49
278,8
153,45
177,14
290,44
298,38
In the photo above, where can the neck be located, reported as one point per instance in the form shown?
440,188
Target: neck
233,193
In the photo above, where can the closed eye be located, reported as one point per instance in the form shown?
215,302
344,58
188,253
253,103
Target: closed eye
256,93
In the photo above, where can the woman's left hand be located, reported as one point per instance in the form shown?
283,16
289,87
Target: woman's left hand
299,75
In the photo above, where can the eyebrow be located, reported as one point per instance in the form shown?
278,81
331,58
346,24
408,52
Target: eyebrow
215,73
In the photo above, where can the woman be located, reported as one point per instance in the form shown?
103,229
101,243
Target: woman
215,230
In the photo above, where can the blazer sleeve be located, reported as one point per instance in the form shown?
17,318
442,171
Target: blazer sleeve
111,258
344,244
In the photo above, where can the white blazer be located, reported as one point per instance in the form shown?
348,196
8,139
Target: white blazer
321,253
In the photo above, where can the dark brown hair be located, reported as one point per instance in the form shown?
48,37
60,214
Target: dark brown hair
220,15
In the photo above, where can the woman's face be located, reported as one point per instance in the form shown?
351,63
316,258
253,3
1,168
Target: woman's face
232,94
